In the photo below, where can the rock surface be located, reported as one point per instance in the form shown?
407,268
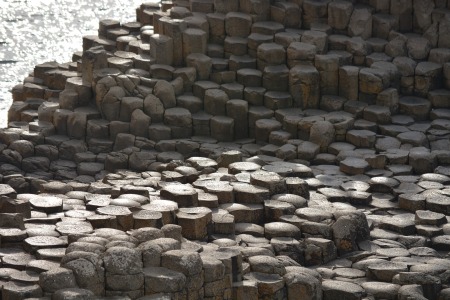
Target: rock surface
203,153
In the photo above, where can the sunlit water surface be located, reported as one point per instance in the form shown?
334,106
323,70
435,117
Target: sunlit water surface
37,31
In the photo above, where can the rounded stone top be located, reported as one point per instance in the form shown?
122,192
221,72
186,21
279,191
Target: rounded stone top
239,167
313,214
184,261
134,197
212,186
355,185
349,289
122,260
74,228
161,205
246,188
178,189
266,264
268,47
45,203
45,241
107,232
261,177
249,228
392,252
195,210
281,170
113,210
384,181
202,162
349,273
267,27
277,229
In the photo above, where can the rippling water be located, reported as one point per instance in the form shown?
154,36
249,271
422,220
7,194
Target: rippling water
37,31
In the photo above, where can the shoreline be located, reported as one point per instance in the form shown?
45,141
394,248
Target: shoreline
36,33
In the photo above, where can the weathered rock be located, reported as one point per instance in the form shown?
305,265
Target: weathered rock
53,280
322,134
195,222
186,262
162,280
335,289
303,285
88,270
349,229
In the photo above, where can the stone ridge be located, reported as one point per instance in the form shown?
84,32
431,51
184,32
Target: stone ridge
231,149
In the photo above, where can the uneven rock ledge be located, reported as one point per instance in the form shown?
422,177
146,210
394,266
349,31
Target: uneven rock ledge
229,149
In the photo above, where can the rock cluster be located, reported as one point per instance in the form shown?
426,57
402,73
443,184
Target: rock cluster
225,149
259,228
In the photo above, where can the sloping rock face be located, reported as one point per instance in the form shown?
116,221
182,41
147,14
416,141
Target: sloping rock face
235,149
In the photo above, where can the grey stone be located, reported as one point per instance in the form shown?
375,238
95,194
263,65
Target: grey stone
53,280
335,289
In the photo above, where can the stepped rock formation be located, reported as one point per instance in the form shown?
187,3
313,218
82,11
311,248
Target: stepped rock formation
235,149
